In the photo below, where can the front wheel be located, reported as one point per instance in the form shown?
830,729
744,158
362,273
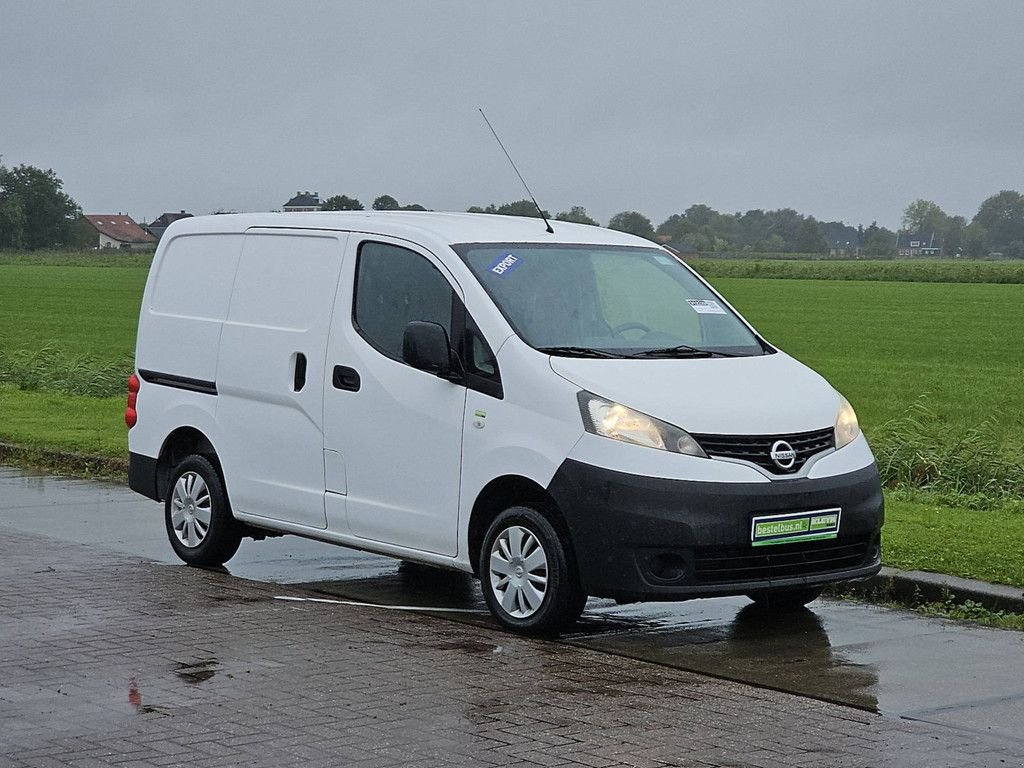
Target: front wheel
199,522
786,600
528,575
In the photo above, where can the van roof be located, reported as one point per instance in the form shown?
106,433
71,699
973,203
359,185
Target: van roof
448,227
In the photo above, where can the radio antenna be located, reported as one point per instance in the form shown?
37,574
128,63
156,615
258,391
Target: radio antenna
525,186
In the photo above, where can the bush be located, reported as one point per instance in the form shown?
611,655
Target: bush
48,369
919,450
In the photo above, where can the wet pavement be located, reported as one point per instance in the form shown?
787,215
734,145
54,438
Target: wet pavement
966,679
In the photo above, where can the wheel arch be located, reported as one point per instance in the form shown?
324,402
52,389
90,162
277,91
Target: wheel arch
500,494
178,445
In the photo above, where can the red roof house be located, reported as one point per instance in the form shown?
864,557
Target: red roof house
118,231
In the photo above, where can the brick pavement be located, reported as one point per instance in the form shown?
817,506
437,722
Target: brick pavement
108,660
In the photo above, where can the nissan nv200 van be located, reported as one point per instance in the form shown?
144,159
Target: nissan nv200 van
563,415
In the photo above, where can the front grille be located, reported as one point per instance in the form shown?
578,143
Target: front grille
717,565
758,448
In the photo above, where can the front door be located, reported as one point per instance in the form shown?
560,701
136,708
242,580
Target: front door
397,430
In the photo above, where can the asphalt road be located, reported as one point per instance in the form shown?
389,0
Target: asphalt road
961,677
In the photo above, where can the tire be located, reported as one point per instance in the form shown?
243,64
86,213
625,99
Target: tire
528,574
786,600
197,516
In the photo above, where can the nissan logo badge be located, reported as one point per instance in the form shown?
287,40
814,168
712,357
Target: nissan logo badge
783,454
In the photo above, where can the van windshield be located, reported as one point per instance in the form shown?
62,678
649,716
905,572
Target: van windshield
607,301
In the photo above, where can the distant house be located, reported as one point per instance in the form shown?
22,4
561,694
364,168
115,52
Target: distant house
843,240
108,230
841,247
919,244
302,202
160,224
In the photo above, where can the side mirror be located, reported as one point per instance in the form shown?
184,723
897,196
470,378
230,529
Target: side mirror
426,346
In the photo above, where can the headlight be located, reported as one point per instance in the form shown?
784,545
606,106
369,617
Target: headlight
608,419
847,427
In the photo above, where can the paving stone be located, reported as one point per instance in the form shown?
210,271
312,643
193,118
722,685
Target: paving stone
107,660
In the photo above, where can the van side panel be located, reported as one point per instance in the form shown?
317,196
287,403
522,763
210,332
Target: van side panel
270,377
185,305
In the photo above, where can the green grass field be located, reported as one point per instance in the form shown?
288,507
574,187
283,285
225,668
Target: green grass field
91,311
885,345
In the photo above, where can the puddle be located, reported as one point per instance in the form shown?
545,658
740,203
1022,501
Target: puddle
196,672
472,646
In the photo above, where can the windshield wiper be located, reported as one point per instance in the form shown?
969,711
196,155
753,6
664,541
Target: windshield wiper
576,352
681,350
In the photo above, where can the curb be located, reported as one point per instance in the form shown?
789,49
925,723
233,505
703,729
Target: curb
916,587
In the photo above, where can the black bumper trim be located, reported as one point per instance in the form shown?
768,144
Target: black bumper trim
142,475
642,538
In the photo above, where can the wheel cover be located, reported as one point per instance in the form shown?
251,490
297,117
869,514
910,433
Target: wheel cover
191,509
519,572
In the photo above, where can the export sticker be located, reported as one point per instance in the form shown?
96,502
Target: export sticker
706,306
800,526
505,264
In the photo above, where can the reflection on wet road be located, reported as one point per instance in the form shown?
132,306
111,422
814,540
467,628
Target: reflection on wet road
872,658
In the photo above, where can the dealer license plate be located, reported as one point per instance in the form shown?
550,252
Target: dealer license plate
796,526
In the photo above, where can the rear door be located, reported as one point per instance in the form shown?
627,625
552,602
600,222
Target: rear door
271,373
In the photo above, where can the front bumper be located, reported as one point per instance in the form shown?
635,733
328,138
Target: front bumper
642,538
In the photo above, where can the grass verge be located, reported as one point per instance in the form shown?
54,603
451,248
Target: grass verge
964,611
923,532
64,463
72,424
972,612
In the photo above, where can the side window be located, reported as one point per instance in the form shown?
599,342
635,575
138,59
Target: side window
481,367
480,360
393,287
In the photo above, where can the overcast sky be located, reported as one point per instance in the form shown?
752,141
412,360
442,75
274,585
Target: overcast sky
844,112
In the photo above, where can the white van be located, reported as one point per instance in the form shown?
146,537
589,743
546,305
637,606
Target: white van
564,414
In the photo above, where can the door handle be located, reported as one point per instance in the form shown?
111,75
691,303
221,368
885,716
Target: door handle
345,378
300,371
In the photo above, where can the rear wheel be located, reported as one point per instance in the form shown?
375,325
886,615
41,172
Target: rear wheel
528,575
786,600
198,519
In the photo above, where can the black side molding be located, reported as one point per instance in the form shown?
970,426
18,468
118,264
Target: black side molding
179,382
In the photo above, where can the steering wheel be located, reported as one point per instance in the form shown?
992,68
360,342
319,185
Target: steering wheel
618,330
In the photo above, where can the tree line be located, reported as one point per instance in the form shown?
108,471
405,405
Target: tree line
36,212
382,203
997,229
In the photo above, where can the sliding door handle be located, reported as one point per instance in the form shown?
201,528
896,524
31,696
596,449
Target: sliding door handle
345,378
300,371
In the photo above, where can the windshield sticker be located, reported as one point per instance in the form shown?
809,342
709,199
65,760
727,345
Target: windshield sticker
505,264
668,260
706,307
